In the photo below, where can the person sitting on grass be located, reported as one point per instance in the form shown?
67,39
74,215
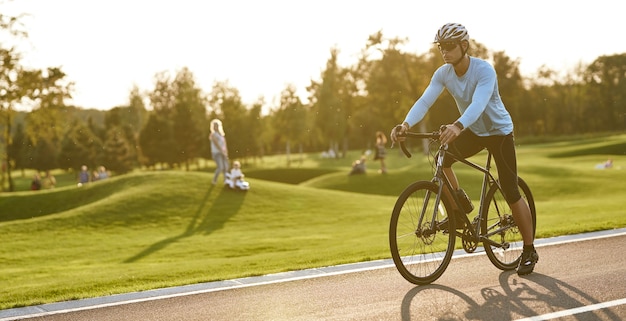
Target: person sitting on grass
358,166
234,178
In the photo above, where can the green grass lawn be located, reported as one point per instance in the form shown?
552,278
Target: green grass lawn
148,230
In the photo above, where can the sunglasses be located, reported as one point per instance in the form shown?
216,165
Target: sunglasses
447,46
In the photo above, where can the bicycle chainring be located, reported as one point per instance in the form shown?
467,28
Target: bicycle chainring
470,243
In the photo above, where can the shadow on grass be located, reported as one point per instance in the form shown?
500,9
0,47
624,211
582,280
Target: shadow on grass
209,217
20,206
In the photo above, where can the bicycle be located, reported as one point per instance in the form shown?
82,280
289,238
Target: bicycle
424,226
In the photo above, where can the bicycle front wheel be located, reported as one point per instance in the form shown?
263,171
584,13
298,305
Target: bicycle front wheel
504,242
421,233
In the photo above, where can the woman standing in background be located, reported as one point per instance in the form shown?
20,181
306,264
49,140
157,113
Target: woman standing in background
381,141
219,150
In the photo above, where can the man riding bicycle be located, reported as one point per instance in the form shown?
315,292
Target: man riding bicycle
484,123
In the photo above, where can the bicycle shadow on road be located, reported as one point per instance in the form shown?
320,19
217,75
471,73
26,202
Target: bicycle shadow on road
517,297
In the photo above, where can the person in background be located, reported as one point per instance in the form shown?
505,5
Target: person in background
49,180
236,175
83,176
484,123
35,184
219,149
103,173
380,153
358,166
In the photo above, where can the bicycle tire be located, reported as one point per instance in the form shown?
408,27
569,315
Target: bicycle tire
499,217
421,253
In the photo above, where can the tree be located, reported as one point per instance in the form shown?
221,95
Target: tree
43,155
252,137
80,146
510,83
156,141
163,97
119,155
606,79
393,82
10,94
329,100
290,119
189,117
17,147
130,116
44,88
137,114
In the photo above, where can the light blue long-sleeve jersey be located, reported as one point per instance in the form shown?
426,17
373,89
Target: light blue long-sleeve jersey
476,95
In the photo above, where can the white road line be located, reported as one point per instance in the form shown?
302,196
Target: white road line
569,312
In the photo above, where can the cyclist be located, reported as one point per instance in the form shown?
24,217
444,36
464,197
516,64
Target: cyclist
484,123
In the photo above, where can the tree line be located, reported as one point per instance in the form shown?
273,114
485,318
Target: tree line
167,126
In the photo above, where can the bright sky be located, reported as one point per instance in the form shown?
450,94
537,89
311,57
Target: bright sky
259,47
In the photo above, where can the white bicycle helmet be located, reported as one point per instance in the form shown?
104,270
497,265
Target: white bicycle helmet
451,32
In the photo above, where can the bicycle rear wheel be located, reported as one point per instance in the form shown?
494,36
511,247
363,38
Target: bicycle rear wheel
421,235
500,228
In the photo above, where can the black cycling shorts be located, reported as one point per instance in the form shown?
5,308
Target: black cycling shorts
503,150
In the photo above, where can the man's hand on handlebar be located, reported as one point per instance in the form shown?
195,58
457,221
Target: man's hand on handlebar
397,133
449,133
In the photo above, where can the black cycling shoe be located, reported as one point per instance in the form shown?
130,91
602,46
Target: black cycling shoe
527,262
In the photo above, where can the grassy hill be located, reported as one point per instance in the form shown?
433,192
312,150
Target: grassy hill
149,230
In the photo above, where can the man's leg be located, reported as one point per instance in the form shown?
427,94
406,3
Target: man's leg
524,221
455,185
503,150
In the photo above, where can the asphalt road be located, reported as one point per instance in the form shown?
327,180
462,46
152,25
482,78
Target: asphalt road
575,279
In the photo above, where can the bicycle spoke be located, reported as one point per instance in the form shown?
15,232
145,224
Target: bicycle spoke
421,249
503,241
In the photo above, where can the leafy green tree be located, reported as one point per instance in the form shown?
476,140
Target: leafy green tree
10,94
606,79
290,120
125,116
163,97
157,137
329,100
252,137
18,143
119,155
80,146
137,115
156,141
189,116
42,155
509,81
48,125
30,87
542,101
394,80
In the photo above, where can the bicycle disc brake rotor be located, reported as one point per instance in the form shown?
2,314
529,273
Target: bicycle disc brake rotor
426,234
